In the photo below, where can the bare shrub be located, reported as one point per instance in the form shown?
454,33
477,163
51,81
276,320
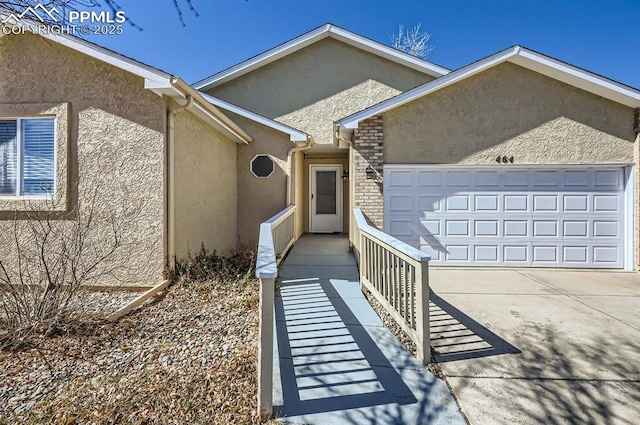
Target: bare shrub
236,267
50,251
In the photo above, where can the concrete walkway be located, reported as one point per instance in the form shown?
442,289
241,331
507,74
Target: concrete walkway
335,362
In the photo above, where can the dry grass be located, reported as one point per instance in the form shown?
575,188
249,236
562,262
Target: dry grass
187,357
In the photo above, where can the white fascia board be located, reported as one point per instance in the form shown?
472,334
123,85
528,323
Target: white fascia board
520,56
327,30
262,59
210,112
351,122
294,135
154,78
577,77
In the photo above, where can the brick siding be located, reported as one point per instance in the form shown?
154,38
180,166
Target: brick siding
368,150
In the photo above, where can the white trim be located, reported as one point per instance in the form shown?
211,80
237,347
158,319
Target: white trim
518,55
19,164
294,135
154,78
629,233
273,163
516,165
327,30
339,195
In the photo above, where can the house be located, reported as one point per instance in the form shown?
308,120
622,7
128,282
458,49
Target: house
517,159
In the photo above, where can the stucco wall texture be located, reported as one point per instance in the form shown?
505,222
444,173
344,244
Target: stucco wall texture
205,190
115,136
509,110
260,198
314,86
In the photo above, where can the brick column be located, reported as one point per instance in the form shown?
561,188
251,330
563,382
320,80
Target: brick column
368,151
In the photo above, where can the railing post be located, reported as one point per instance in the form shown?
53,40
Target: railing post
422,305
265,349
362,263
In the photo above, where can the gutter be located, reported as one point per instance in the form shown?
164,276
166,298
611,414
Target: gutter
169,179
290,153
211,111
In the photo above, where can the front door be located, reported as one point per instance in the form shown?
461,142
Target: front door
326,198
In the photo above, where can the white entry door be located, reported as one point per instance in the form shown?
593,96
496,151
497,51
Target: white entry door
326,198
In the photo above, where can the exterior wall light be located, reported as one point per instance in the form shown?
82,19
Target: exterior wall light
369,172
345,175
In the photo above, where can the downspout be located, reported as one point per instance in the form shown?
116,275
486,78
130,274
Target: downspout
169,178
290,153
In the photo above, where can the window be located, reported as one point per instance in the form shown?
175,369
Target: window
262,166
27,148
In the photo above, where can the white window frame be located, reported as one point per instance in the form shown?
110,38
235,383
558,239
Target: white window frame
273,169
20,165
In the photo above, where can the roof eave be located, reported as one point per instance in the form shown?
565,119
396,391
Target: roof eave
295,135
518,55
327,30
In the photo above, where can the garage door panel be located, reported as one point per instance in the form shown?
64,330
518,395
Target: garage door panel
401,203
575,228
456,228
487,179
486,228
545,254
605,254
513,217
457,253
457,203
545,178
428,203
605,203
401,227
518,203
576,179
545,228
400,179
575,203
516,254
516,228
516,178
606,229
486,203
607,178
545,203
575,254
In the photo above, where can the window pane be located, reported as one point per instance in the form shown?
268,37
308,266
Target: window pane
38,156
262,166
326,192
8,157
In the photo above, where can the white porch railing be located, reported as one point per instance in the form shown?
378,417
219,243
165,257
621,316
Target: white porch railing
276,237
397,275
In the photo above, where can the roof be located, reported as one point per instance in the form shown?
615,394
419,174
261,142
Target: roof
158,81
294,134
313,36
518,55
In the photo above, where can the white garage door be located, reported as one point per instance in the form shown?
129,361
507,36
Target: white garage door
505,216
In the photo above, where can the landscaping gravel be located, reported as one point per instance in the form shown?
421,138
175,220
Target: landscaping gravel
188,356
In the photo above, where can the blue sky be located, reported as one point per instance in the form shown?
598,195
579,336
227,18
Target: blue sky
599,35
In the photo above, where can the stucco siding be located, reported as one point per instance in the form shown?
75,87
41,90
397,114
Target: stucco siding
205,191
112,139
509,111
311,88
260,198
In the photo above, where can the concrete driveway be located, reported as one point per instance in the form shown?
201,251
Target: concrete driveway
539,346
